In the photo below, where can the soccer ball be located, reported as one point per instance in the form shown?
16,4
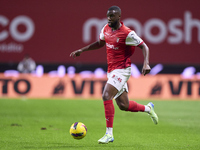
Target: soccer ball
78,130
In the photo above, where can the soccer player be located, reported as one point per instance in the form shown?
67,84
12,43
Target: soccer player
120,44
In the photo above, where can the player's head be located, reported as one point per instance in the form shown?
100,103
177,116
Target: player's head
113,15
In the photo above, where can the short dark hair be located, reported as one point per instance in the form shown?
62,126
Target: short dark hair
115,8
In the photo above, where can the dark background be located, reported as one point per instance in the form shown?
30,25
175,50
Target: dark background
58,30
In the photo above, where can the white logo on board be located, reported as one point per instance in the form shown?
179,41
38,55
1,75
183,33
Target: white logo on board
14,32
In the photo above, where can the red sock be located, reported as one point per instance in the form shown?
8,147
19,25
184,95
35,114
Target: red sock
109,112
135,107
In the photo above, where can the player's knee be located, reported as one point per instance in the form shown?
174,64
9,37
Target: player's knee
122,106
105,96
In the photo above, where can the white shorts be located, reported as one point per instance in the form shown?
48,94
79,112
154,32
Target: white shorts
118,78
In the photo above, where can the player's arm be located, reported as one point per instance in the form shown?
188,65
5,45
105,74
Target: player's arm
93,46
145,50
134,40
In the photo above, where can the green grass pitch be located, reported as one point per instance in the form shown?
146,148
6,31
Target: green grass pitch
22,121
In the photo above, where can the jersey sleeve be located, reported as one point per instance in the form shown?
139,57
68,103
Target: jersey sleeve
133,39
101,35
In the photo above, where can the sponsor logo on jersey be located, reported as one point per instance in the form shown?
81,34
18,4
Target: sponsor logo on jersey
112,46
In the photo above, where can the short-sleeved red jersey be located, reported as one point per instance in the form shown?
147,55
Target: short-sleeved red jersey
120,45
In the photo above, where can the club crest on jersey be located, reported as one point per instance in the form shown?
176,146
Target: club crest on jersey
106,33
117,40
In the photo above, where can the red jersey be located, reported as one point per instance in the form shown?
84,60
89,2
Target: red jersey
120,45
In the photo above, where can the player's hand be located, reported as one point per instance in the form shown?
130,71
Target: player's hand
76,53
146,69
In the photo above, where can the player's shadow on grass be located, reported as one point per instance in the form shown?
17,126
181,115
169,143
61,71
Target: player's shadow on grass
82,147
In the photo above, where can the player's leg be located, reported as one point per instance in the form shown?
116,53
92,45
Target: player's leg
108,94
114,87
122,101
126,105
